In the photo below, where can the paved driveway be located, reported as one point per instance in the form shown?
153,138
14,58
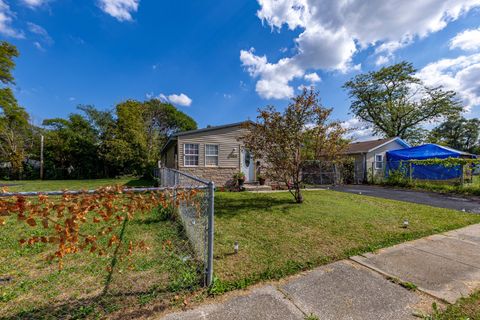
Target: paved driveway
429,198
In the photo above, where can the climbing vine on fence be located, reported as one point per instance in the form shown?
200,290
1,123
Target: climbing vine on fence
448,162
74,223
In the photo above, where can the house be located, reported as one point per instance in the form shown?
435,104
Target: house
369,156
213,153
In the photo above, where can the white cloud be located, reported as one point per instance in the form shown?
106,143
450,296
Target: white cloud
6,19
467,40
180,99
383,59
312,77
333,31
358,130
461,74
34,3
40,31
120,9
177,99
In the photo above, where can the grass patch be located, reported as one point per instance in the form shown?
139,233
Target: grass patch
407,285
278,238
468,189
464,309
56,185
36,289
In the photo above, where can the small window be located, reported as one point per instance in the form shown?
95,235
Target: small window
190,157
379,161
211,155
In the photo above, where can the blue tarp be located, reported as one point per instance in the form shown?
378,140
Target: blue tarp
398,160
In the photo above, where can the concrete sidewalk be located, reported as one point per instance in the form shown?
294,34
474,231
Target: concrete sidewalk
443,267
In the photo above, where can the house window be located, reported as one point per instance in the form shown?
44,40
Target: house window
211,155
190,157
379,161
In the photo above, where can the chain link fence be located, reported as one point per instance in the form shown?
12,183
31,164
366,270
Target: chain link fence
171,254
318,172
400,172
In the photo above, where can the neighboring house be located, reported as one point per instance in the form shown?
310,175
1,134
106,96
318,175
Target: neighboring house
213,153
369,156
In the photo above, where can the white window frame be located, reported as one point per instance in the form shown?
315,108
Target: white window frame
190,155
209,155
379,164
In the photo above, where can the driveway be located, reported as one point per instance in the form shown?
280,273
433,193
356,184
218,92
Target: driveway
471,204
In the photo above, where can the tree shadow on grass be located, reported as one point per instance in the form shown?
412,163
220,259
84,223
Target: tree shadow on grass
140,183
123,305
227,207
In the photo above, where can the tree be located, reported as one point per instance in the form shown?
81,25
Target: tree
15,133
457,132
72,146
278,139
396,103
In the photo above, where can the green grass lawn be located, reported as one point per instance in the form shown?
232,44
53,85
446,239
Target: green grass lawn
464,309
56,185
32,288
278,237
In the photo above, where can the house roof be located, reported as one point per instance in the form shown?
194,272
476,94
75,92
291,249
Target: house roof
371,145
174,136
211,128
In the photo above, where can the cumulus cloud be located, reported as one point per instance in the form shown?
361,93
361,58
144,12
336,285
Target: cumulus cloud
120,9
6,19
312,77
332,32
180,99
461,74
176,99
467,40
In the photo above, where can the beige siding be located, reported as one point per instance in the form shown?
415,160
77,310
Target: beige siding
393,145
228,146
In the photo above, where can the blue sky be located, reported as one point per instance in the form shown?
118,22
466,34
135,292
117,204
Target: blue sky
219,61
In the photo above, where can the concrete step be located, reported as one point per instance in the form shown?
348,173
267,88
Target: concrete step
256,187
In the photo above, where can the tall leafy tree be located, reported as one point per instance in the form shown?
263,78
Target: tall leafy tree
396,103
15,130
71,145
457,132
278,139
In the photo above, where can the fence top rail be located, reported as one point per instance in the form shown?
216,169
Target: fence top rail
76,192
206,182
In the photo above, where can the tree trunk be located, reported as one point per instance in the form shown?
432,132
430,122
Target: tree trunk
298,194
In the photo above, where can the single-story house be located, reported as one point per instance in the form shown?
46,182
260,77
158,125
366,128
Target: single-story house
213,153
370,155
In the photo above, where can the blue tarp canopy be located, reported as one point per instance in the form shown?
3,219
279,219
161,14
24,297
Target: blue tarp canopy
398,160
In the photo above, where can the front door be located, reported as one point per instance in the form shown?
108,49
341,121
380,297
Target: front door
247,165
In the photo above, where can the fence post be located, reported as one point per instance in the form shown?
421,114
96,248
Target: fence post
373,172
211,214
462,177
410,173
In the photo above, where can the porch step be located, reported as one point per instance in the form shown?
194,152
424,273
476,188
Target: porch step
256,187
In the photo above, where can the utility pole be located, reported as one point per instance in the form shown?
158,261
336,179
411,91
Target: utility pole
41,156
